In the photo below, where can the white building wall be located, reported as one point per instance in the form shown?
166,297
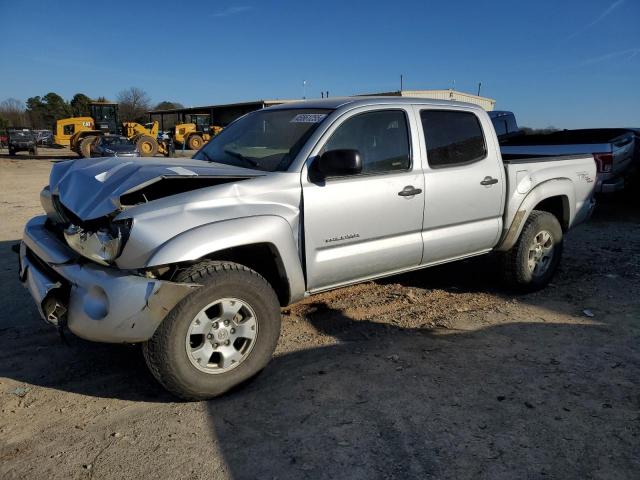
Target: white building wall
486,103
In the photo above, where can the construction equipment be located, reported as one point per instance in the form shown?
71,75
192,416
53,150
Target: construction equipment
79,133
145,137
195,132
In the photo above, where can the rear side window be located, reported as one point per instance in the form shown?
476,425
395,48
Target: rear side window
381,137
452,138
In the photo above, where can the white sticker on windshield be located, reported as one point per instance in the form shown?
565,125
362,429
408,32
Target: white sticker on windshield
308,118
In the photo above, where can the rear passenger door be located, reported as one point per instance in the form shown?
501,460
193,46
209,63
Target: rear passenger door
464,183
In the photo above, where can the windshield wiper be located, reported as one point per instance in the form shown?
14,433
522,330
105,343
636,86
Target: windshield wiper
250,161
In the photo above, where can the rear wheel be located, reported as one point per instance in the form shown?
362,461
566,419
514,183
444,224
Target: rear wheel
84,149
195,142
217,337
12,152
147,146
533,260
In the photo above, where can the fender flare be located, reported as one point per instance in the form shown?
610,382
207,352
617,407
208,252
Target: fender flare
207,239
557,187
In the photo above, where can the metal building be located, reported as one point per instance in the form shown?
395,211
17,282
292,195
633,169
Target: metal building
450,94
222,115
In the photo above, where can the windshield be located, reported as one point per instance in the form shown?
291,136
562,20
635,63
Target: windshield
265,140
21,134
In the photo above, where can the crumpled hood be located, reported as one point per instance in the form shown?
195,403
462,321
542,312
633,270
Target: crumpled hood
92,188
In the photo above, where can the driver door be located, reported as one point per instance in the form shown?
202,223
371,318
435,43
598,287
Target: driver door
365,225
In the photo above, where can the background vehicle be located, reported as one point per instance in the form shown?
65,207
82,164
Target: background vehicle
195,132
80,133
613,148
114,146
194,259
21,140
44,138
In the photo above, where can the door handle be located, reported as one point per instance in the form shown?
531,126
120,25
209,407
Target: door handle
409,191
489,181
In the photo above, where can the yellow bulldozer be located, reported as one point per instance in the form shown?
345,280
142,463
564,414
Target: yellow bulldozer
79,133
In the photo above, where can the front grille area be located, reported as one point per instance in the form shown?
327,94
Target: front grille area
44,267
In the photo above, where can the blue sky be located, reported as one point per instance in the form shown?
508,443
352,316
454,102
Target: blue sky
567,63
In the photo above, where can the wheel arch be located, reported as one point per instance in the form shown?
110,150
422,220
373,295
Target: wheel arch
265,244
555,196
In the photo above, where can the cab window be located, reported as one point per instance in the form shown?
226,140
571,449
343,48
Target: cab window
452,138
68,129
381,137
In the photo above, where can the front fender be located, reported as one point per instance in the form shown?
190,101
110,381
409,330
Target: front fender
204,240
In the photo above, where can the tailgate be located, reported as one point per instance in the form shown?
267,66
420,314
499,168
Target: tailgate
622,149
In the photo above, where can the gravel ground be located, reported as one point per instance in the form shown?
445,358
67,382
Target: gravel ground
436,374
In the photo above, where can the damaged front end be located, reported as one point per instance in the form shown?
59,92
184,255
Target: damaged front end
102,246
96,303
70,259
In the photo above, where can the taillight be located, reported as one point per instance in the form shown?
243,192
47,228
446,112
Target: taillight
604,162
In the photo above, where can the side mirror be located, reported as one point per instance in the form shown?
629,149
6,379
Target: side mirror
339,163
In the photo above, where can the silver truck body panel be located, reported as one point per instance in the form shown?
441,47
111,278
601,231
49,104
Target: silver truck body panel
323,234
92,188
573,180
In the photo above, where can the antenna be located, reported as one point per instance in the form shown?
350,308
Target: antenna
401,82
479,87
304,89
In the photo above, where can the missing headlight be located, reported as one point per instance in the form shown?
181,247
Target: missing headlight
102,245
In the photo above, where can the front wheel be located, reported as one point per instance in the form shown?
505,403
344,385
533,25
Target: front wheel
195,142
147,146
533,260
84,150
220,335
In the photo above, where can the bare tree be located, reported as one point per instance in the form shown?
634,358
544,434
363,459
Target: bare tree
134,104
13,112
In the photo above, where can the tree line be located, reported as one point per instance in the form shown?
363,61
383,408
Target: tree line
42,112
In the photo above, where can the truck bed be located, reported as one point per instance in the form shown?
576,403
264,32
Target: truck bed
589,136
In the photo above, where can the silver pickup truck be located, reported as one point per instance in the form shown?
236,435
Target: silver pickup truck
194,258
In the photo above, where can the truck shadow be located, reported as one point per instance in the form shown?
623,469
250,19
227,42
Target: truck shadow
415,403
381,400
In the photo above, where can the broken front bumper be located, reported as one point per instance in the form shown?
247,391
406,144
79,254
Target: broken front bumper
97,303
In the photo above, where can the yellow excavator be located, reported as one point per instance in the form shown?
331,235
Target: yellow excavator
79,133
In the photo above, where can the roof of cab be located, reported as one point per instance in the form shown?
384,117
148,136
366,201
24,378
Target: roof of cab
337,102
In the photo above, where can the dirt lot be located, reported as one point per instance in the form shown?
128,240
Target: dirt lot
437,374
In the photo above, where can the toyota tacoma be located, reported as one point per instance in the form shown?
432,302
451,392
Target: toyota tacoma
194,258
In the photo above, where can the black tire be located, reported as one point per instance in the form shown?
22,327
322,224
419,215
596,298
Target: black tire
12,152
165,353
195,142
147,146
84,149
517,271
